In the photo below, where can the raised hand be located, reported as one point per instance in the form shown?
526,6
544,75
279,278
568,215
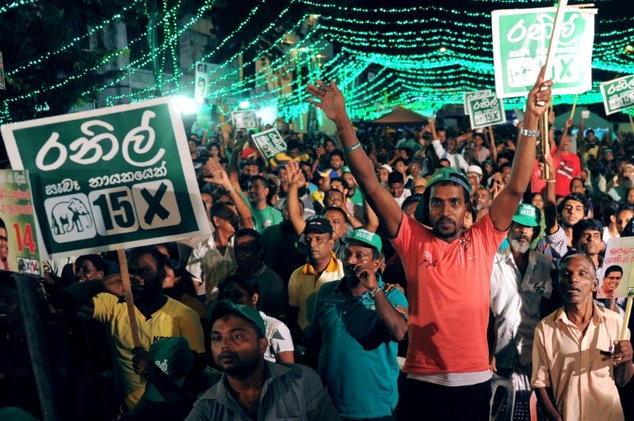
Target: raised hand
539,97
327,98
293,173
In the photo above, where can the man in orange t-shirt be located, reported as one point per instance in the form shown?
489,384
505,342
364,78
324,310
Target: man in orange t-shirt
448,269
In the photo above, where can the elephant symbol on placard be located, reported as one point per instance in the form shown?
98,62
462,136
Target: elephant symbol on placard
70,216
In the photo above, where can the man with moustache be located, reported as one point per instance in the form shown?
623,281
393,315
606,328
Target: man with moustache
520,278
252,388
578,358
4,246
611,281
481,201
448,268
357,324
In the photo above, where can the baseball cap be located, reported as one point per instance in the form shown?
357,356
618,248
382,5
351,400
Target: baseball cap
247,152
474,169
174,358
527,215
222,307
325,173
366,237
318,225
449,174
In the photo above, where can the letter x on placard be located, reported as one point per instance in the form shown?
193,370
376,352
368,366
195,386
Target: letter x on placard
154,204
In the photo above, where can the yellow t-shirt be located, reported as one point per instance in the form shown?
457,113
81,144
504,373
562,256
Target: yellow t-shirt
173,319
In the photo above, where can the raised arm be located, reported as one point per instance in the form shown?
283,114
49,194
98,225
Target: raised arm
330,100
505,204
292,200
232,169
216,174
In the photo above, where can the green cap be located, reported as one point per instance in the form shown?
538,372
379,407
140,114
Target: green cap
449,174
222,307
367,237
527,215
174,358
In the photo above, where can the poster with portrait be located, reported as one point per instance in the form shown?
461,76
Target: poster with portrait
617,263
109,179
19,251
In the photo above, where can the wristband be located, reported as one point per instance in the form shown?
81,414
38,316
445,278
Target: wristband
353,147
529,133
550,181
231,190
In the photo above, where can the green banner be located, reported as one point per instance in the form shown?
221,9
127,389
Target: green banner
269,143
520,45
485,110
108,179
618,94
18,232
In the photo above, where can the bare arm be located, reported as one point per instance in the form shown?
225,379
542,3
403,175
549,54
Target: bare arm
232,169
333,105
505,204
292,200
219,177
390,319
545,399
371,220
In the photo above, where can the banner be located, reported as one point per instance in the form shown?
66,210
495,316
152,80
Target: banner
109,179
244,119
620,253
520,46
618,94
269,143
486,110
18,246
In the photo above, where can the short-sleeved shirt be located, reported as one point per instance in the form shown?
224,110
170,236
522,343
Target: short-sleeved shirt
515,304
173,319
448,293
211,266
578,366
264,218
567,167
279,337
355,355
304,282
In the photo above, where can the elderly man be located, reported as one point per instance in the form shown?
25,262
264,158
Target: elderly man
578,357
358,325
520,278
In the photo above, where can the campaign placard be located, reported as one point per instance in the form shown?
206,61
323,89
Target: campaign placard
520,45
467,96
108,179
18,244
486,110
618,94
244,119
619,255
269,143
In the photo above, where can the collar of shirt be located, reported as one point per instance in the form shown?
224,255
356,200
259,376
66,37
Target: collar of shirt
333,266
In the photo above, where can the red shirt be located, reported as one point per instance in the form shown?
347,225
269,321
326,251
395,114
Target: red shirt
448,293
567,167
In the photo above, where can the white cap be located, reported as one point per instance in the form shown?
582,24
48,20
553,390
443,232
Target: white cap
387,167
474,169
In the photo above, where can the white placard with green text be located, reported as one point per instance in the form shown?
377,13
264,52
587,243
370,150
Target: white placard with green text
619,252
618,94
269,143
486,110
109,179
244,119
520,45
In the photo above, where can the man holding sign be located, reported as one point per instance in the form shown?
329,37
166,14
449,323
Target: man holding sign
448,269
577,354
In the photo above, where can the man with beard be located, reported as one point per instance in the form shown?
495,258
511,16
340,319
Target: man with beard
157,316
520,278
481,201
357,325
448,269
577,354
252,388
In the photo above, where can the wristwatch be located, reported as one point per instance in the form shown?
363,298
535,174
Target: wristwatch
374,292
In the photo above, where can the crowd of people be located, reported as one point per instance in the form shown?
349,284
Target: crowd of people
417,275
